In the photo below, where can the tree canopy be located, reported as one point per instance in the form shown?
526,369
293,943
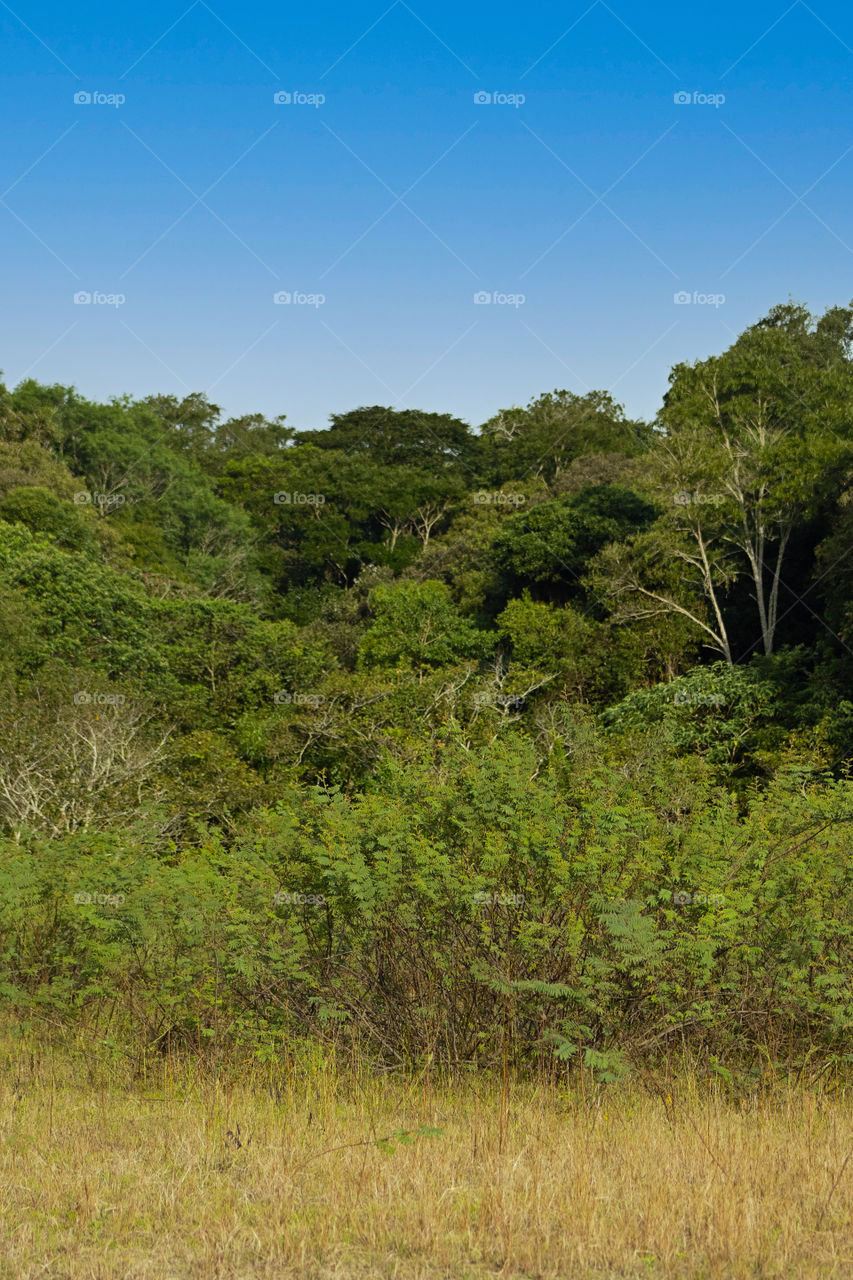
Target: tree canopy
596,671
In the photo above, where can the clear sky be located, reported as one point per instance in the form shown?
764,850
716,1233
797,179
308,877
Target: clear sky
400,197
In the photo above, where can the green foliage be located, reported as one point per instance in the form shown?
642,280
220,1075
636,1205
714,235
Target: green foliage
754,449
418,739
723,713
453,905
398,437
42,512
417,624
83,612
555,429
550,546
563,643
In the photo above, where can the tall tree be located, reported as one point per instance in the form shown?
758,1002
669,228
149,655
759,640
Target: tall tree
752,446
399,437
543,439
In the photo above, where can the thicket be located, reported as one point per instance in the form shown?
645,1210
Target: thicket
524,743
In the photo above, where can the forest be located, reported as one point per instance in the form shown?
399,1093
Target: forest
524,743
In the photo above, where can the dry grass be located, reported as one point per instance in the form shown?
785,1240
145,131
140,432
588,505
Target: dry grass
105,1179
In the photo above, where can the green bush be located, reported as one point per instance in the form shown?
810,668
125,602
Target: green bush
457,903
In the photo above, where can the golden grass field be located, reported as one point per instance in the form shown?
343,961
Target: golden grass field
177,1174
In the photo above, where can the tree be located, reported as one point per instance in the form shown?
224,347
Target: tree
719,712
250,434
412,500
562,645
416,624
543,439
753,445
549,547
66,764
84,613
42,512
665,573
399,437
35,412
226,661
190,422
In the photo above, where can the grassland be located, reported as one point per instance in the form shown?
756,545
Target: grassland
316,1168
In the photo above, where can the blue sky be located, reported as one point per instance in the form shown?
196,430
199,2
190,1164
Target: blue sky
400,197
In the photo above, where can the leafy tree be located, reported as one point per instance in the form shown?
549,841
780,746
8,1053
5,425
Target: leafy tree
563,644
251,433
832,581
191,422
27,463
555,429
42,512
755,445
226,661
721,712
85,614
645,579
399,437
549,547
417,624
36,413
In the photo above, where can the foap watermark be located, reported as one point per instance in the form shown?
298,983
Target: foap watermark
94,298
484,299
697,499
285,898
295,98
514,702
497,899
689,898
285,499
485,497
86,498
483,99
685,299
285,698
694,698
83,98
99,899
293,298
85,699
684,99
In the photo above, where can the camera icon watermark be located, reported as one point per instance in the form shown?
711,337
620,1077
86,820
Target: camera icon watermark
506,702
694,698
283,98
312,700
285,499
287,298
484,299
82,98
685,299
85,699
483,99
85,298
483,498
495,899
682,99
685,499
688,898
83,498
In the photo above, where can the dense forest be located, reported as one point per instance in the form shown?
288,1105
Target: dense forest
529,740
